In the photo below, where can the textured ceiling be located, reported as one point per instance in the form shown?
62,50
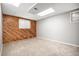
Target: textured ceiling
27,9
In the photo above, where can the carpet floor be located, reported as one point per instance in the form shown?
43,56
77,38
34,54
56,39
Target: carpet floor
38,47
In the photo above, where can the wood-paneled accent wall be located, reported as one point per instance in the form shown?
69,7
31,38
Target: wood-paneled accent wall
11,31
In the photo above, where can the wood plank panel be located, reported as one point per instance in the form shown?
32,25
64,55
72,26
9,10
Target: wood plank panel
11,31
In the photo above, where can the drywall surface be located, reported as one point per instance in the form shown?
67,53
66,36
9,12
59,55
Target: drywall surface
0,30
59,28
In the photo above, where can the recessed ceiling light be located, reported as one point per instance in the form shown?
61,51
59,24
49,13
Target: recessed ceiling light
48,11
15,4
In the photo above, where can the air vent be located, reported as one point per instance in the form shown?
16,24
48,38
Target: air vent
35,8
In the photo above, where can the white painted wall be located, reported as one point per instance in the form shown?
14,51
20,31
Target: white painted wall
59,28
0,30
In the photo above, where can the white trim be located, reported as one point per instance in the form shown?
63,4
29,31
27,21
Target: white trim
58,41
32,6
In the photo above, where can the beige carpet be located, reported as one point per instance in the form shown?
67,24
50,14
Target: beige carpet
0,51
38,47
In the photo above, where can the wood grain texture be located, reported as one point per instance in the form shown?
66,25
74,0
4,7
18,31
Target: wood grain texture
11,31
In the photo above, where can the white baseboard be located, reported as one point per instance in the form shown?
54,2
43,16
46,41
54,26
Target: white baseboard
58,41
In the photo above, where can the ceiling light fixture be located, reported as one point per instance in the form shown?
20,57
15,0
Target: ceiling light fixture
48,11
15,4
